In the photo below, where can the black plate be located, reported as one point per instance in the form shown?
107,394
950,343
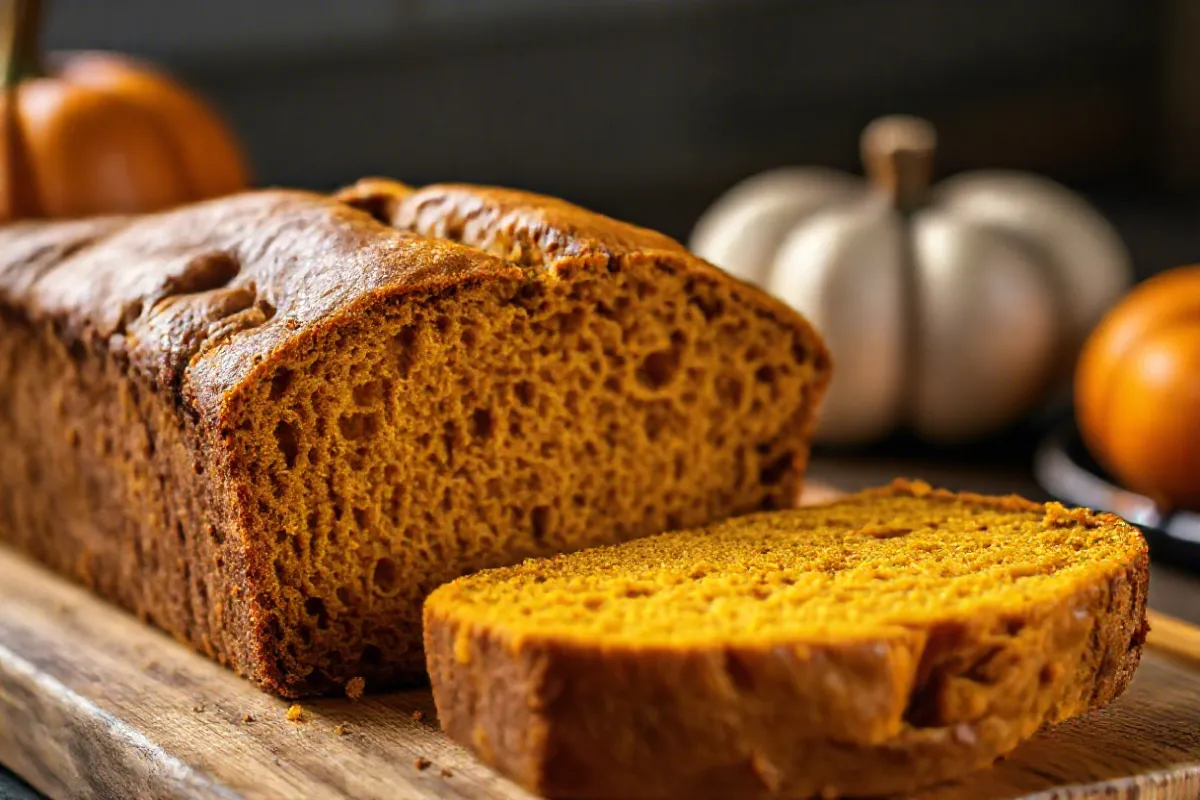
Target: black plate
1065,470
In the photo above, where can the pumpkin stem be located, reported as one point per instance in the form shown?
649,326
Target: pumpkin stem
897,153
20,28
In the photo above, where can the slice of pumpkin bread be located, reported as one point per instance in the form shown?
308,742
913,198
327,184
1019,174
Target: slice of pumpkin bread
895,639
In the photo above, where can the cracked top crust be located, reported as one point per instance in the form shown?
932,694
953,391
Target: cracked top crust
190,297
196,299
532,231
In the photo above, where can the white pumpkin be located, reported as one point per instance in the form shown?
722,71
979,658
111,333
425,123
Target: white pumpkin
949,311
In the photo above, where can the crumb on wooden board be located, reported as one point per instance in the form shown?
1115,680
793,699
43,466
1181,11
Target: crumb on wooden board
295,713
355,688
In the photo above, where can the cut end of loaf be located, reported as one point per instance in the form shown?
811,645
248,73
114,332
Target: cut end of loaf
426,437
860,569
875,646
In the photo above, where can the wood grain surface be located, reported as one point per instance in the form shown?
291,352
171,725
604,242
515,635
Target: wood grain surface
95,704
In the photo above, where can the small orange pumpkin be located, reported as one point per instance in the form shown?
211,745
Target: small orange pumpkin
1137,389
100,133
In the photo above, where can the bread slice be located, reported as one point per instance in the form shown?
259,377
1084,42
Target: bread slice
883,643
270,424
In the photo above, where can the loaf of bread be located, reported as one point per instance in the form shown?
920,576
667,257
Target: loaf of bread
272,423
887,642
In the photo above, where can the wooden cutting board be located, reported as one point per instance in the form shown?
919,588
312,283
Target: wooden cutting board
95,704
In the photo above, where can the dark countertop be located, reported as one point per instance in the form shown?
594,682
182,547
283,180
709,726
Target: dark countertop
13,788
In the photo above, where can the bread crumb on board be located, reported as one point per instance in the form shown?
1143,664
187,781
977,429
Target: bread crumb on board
247,718
418,715
422,763
341,729
355,688
198,708
445,773
295,713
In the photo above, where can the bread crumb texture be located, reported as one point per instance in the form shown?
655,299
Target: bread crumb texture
355,687
295,713
896,639
589,395
517,420
286,421
854,569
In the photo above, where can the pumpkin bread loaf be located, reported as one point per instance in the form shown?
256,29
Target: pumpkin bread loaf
271,424
876,645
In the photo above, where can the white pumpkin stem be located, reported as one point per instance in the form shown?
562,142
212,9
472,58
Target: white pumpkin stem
897,154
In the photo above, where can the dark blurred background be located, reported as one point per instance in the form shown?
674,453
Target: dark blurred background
648,109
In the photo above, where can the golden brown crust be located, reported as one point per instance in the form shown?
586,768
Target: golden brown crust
526,228
169,292
533,230
890,715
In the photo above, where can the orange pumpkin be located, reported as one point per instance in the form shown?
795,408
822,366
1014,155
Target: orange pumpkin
100,133
1137,389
